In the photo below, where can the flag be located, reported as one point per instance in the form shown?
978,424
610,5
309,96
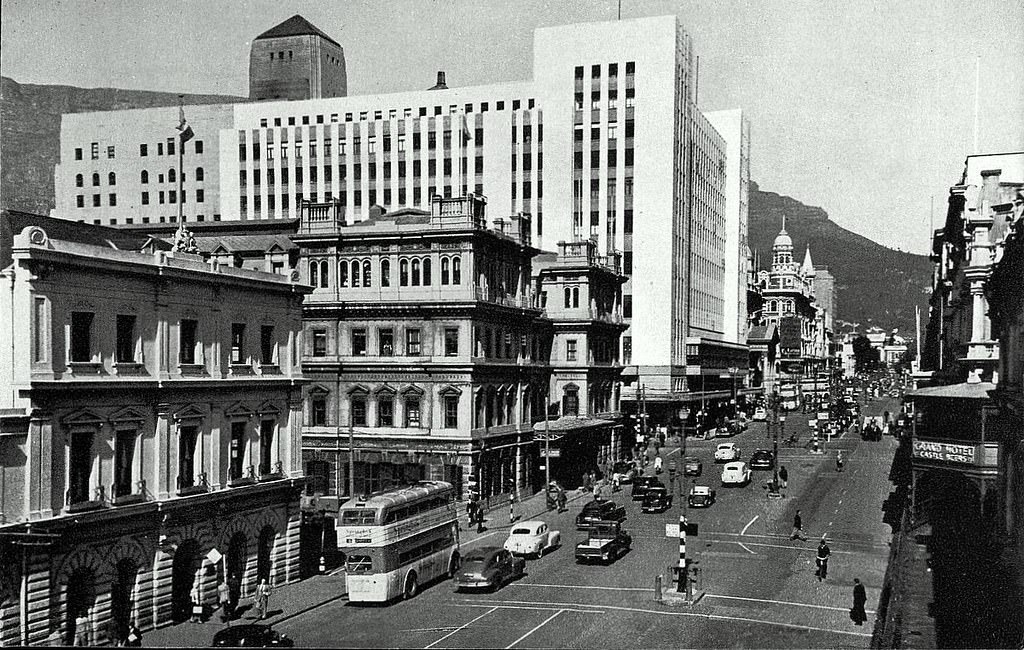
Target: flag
466,135
184,129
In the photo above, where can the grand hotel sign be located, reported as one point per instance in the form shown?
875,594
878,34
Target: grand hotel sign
945,452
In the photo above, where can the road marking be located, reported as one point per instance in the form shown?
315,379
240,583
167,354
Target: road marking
783,602
477,539
537,584
746,549
799,548
462,627
749,524
542,609
849,542
718,617
545,622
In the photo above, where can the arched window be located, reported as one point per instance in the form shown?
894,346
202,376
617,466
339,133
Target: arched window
95,179
367,273
456,270
314,273
571,400
342,274
111,178
200,174
144,176
415,273
355,273
403,273
444,270
79,181
324,275
568,297
426,272
171,176
385,273
575,297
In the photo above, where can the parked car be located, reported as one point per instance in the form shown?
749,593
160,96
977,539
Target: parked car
724,431
762,459
625,470
597,512
251,635
760,414
701,496
532,538
640,485
657,499
726,452
735,473
604,543
692,466
488,567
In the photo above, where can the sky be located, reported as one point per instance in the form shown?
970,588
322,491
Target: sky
865,108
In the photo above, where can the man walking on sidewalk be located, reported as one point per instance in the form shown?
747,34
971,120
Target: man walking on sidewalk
798,528
784,477
824,553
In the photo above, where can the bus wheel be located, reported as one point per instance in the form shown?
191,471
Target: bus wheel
412,587
453,565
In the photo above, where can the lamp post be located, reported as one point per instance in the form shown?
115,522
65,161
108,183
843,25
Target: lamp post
775,452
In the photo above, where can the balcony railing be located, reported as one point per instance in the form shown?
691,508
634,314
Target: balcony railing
482,293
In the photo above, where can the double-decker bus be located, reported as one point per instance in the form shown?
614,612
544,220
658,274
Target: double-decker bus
396,540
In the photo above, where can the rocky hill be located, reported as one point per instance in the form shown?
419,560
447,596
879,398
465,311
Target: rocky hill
30,132
875,285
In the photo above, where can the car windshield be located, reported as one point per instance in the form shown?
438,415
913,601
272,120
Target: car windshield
522,531
725,446
474,558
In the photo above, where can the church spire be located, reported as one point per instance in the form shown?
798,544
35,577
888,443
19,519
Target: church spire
808,265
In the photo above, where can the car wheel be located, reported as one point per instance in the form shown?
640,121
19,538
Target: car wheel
412,586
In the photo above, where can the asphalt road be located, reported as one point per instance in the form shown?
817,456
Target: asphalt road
760,588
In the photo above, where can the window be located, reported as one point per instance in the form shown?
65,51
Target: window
237,466
319,343
355,273
426,272
456,270
415,272
94,150
125,339
357,405
80,471
81,336
200,174
78,153
627,306
95,179
385,273
571,401
111,178
451,411
80,200
570,350
267,345
187,332
124,453
79,181
342,274
159,148
627,350
199,146
359,342
266,446
403,273
568,297
112,199
412,412
412,342
385,411
386,342
451,341
201,197
187,436
237,343
318,411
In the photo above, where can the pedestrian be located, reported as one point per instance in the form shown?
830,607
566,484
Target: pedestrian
824,553
597,492
197,603
657,464
784,476
860,598
82,630
262,599
798,528
839,460
224,596
561,500
134,638
235,586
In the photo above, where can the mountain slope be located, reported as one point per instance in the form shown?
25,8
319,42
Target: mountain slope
875,285
30,132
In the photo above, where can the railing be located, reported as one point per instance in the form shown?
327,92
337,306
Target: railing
482,293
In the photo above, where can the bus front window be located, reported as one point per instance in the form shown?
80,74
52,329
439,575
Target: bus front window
359,564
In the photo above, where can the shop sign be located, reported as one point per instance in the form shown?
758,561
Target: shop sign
944,451
551,453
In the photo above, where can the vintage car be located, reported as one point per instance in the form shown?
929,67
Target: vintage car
701,496
640,485
692,466
597,512
762,459
760,414
604,543
625,471
735,473
251,635
656,499
532,538
488,567
726,452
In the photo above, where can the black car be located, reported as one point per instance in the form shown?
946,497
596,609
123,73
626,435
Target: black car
597,512
762,459
640,485
657,499
251,635
488,567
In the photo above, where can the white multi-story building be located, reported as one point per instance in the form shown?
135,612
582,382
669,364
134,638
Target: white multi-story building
607,125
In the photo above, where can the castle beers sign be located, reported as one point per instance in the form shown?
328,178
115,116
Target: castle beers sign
945,452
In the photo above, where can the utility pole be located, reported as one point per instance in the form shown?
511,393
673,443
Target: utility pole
351,458
547,441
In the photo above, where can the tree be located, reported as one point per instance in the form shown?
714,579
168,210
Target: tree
865,357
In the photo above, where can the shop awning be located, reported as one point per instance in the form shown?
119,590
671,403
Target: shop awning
965,390
571,423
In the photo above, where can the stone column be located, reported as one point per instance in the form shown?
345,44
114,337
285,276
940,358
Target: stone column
164,472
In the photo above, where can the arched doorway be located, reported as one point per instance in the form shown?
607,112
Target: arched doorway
184,569
264,555
122,597
235,563
81,596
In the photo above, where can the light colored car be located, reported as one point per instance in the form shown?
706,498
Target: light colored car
735,473
532,538
726,451
760,414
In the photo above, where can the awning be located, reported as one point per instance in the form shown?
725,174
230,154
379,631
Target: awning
571,423
965,390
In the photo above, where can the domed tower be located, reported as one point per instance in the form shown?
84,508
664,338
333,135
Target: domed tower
782,249
295,60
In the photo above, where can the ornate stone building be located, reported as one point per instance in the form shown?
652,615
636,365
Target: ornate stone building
150,428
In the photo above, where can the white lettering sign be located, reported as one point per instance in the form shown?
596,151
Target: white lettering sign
946,452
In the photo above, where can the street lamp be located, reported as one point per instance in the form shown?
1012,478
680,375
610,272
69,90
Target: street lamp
775,453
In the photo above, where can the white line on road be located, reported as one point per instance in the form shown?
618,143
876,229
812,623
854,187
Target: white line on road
462,627
849,542
749,524
537,584
545,622
783,602
798,548
746,549
543,609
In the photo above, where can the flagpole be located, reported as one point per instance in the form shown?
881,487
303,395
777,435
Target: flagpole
181,162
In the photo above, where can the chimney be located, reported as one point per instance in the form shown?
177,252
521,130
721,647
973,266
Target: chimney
440,85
